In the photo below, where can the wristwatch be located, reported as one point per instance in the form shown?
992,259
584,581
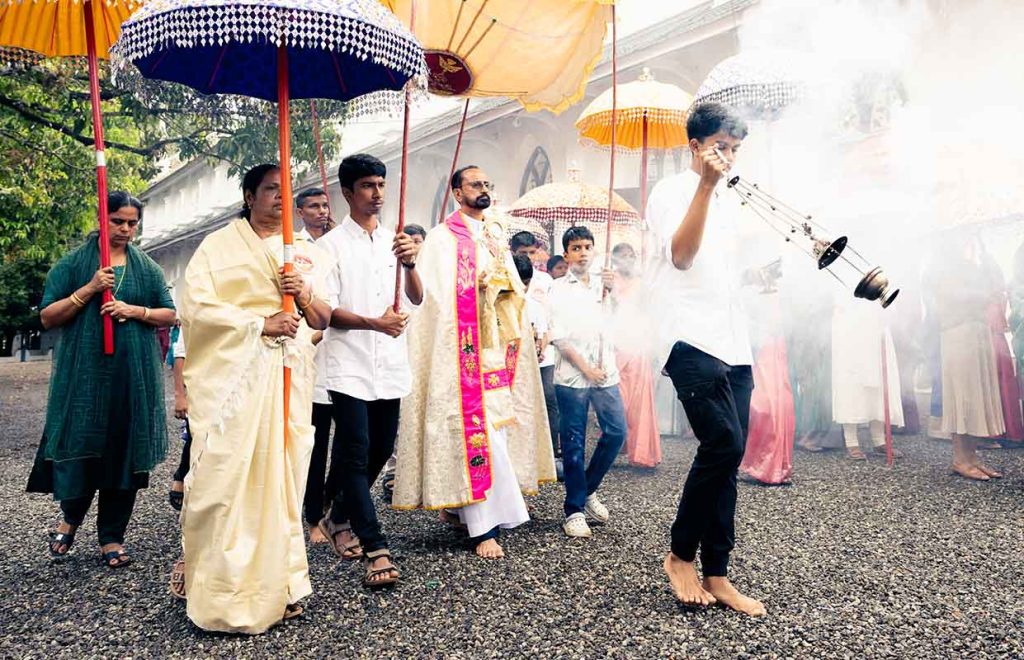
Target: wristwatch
408,266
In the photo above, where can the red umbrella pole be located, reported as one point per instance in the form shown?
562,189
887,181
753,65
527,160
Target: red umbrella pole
885,404
101,166
643,194
455,160
285,147
401,196
319,149
611,178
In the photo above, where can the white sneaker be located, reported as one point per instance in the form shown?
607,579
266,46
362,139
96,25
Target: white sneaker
595,509
576,526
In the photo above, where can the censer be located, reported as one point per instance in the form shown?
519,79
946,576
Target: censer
835,256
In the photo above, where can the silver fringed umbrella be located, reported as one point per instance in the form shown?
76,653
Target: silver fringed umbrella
759,83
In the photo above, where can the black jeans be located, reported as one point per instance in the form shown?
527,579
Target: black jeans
364,440
716,398
112,516
320,487
183,462
547,379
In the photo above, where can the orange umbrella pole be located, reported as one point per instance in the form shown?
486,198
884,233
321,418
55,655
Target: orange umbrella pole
101,166
285,147
455,160
611,177
885,404
643,194
319,149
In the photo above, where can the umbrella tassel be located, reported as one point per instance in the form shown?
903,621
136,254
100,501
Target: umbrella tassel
101,166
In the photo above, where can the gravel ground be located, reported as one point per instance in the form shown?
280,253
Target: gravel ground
852,561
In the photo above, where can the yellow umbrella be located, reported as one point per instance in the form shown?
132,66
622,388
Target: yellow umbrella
540,53
650,115
74,28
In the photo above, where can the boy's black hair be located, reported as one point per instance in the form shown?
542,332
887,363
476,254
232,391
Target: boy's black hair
709,118
301,198
118,199
554,261
522,239
251,181
576,233
414,230
524,267
358,166
456,181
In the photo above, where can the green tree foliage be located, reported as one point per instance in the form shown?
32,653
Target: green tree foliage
47,175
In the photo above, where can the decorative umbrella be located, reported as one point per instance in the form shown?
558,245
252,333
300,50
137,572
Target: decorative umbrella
540,53
558,206
759,83
72,28
275,50
649,115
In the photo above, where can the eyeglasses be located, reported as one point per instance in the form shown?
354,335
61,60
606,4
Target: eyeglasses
480,185
132,224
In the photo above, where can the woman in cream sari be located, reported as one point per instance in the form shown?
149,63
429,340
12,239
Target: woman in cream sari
245,558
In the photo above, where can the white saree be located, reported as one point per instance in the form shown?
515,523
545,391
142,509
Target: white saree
245,556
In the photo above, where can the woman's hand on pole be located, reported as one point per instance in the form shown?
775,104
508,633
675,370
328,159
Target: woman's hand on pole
282,324
102,280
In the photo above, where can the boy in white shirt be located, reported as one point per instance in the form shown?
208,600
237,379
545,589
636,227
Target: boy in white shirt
585,375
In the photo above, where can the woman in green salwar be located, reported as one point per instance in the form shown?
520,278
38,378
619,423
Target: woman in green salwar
106,426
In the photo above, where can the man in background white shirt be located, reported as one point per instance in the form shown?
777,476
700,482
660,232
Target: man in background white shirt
694,229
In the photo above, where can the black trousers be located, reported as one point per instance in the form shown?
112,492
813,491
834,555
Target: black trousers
716,398
113,513
183,462
547,378
364,440
320,487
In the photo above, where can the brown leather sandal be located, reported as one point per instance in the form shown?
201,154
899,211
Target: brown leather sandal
389,573
351,551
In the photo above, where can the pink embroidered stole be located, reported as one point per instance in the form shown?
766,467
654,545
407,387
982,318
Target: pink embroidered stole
471,381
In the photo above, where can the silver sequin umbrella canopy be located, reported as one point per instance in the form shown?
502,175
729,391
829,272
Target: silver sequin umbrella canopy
759,83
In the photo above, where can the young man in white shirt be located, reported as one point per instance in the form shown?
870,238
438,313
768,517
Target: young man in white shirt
693,222
585,375
314,209
525,244
367,365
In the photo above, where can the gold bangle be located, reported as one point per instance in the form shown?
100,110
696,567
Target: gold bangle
75,300
312,299
145,315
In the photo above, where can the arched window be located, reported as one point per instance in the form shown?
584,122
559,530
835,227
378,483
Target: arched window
538,171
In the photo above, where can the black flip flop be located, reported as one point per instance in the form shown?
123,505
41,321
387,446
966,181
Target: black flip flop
66,539
120,555
176,499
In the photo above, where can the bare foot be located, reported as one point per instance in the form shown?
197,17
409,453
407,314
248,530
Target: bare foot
994,474
728,596
452,518
316,536
685,583
489,549
969,471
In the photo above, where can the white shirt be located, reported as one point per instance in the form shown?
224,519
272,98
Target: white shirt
363,364
701,306
319,387
537,296
577,319
178,348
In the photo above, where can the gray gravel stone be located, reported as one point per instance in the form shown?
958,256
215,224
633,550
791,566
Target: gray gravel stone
852,561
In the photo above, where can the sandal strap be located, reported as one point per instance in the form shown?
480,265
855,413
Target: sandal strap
377,554
354,544
62,538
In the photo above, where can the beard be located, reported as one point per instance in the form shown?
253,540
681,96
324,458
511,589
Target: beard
482,202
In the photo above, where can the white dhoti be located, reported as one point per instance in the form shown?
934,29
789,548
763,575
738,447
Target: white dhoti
504,506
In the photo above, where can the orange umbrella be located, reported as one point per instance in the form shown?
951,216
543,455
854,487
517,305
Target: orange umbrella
74,28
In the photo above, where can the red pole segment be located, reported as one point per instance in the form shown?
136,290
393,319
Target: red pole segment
101,165
885,404
455,160
405,167
285,147
643,194
611,177
319,149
